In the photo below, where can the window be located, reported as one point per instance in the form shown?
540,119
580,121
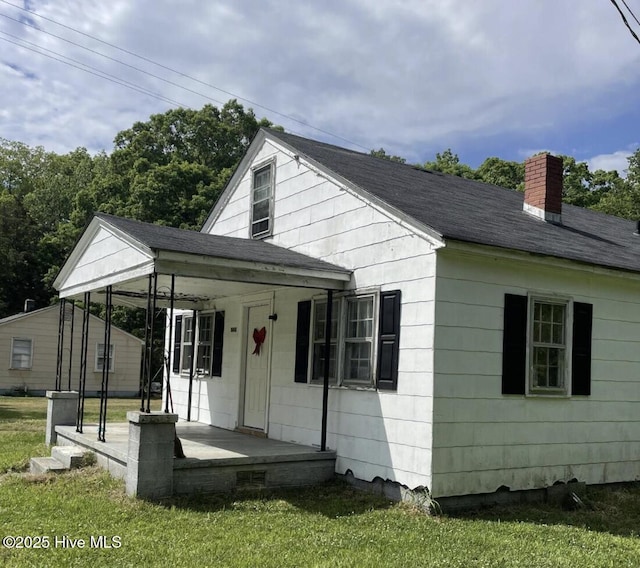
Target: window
356,323
21,353
319,328
547,346
554,337
100,357
262,201
358,340
208,334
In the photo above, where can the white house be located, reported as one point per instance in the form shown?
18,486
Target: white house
29,342
480,338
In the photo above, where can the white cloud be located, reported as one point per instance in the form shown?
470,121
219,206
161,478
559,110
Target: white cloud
614,161
404,75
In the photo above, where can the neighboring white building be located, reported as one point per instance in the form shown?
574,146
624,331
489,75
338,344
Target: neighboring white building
29,344
481,338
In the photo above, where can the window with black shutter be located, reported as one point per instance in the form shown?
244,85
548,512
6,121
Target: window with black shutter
388,340
537,328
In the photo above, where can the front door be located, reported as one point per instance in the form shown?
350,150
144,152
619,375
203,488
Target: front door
257,367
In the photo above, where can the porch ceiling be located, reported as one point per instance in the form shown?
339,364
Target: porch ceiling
122,253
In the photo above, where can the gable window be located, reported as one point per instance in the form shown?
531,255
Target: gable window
546,346
100,356
262,201
205,340
21,353
357,323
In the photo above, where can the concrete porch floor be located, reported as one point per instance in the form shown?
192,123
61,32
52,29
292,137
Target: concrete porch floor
216,459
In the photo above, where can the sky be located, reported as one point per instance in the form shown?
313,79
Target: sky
485,78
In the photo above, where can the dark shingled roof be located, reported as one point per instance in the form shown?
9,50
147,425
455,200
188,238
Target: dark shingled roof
158,237
476,212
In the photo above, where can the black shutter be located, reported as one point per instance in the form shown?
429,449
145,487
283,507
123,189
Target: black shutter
302,341
218,338
388,340
514,344
177,337
581,349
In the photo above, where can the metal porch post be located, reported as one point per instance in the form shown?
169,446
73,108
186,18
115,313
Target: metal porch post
84,345
152,319
327,361
143,362
73,319
193,362
102,426
168,365
58,386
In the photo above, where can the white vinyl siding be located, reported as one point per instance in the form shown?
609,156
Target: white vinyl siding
21,353
375,433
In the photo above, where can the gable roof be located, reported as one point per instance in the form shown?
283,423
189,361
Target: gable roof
159,237
475,212
56,307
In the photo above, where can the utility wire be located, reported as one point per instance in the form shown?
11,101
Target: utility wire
93,71
107,57
185,75
624,19
631,12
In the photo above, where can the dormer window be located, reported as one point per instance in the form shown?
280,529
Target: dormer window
262,201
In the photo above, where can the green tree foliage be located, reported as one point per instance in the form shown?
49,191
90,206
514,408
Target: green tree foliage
381,153
167,170
449,163
501,172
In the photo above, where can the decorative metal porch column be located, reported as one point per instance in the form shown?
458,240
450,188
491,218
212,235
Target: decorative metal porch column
147,359
192,362
168,366
327,361
104,392
73,319
82,378
58,386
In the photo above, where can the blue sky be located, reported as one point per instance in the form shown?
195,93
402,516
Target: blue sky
490,78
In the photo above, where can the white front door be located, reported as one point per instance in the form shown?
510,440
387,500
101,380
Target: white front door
256,367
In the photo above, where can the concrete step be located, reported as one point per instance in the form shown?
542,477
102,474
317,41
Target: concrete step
69,456
45,465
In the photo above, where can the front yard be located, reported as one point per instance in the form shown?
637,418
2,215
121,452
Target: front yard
328,526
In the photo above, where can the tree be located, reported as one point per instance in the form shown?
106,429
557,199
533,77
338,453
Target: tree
381,153
502,173
449,163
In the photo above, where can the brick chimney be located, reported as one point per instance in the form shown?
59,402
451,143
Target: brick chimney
543,187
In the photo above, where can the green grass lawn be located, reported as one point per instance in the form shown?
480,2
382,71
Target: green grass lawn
332,525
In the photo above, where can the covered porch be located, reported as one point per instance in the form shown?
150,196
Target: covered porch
129,263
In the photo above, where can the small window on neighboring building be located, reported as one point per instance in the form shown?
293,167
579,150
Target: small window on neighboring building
21,353
100,357
262,201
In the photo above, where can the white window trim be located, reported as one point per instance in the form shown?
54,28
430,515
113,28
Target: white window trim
341,343
565,391
14,339
270,163
112,368
195,343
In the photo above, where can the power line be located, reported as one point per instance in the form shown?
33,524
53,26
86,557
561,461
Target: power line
631,12
106,57
93,71
185,75
624,19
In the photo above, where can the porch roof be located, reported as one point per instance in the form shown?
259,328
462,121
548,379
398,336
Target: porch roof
121,253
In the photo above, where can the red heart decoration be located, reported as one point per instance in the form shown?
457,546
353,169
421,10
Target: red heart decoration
258,338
